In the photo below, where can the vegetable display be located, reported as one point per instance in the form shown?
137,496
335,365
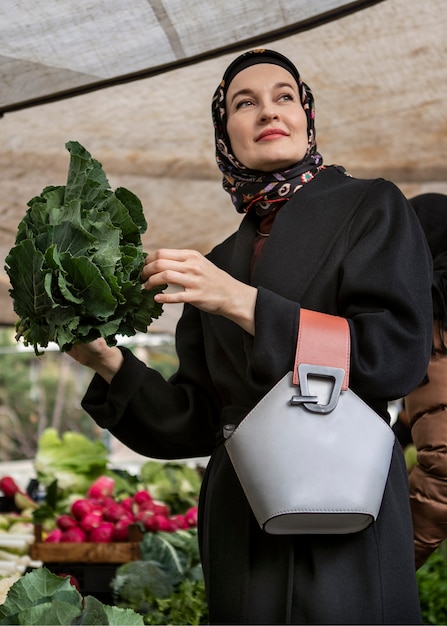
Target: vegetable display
95,508
100,517
75,266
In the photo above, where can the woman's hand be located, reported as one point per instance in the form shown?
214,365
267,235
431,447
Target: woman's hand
202,284
100,357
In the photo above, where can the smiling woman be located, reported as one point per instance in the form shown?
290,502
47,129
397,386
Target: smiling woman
265,118
336,245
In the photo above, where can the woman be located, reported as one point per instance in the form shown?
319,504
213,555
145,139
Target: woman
426,406
311,237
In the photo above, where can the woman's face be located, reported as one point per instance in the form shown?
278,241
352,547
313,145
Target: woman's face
266,123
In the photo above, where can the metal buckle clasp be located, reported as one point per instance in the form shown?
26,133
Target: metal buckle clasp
324,380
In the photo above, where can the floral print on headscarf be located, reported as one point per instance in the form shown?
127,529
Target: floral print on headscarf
251,188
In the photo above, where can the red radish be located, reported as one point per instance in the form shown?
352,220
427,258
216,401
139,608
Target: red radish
178,522
90,521
113,512
103,533
142,516
127,504
64,522
151,523
159,508
81,507
74,535
101,487
54,536
164,523
9,486
142,498
121,529
191,516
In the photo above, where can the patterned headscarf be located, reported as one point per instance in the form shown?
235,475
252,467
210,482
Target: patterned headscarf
252,188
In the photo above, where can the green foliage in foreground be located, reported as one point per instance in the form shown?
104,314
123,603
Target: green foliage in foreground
432,583
166,586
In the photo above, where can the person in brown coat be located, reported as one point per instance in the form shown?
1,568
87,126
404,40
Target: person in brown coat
426,406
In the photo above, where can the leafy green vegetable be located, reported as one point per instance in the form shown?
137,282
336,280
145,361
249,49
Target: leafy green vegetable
72,459
167,585
176,484
187,605
75,266
43,598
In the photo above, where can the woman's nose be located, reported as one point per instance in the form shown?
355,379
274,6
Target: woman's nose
268,113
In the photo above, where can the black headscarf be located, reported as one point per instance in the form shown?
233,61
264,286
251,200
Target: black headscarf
431,209
262,190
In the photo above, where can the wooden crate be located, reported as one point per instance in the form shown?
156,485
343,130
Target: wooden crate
115,552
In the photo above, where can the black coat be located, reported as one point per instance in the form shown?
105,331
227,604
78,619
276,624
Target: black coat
340,246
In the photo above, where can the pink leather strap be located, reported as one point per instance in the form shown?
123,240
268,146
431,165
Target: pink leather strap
323,340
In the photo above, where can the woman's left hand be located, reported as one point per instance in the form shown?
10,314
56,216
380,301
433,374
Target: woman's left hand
201,283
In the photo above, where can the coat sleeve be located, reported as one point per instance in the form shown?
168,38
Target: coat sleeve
166,419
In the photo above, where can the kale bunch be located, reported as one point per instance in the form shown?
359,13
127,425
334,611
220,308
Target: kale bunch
76,263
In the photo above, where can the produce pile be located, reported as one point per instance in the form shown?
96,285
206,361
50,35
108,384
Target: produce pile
86,501
76,263
101,517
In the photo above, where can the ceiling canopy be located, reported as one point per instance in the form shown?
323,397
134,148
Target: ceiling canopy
54,48
378,72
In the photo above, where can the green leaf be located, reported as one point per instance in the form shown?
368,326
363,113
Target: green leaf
40,596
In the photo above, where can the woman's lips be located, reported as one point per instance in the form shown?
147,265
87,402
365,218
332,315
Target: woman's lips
271,133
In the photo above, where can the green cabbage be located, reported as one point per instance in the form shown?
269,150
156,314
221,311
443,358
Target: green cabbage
75,266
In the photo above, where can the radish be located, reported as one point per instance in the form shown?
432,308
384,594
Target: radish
121,529
159,508
90,521
101,487
127,504
191,516
164,523
142,498
113,511
65,521
102,533
151,523
54,536
81,507
9,486
178,522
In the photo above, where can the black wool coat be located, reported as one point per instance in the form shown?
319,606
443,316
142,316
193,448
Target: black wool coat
341,246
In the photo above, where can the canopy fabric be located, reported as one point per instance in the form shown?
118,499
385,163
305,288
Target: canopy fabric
51,48
379,77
